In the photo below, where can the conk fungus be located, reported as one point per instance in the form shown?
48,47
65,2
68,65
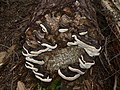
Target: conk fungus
57,40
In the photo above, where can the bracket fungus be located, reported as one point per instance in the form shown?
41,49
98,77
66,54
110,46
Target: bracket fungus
53,41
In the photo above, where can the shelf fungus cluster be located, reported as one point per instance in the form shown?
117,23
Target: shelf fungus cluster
63,41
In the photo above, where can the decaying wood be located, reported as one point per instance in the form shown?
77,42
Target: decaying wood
62,25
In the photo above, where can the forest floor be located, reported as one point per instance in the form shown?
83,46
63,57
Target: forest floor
14,18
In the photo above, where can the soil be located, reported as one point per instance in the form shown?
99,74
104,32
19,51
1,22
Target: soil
14,18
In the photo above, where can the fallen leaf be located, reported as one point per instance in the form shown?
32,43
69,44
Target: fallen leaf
20,86
2,56
10,51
